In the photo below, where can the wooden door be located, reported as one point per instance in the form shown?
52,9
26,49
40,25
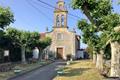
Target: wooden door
59,53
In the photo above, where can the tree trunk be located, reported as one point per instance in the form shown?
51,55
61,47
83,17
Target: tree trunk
87,13
99,62
94,58
40,55
23,54
115,59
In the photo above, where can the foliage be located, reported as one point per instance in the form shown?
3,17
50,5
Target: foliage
22,38
45,42
89,35
89,50
34,40
109,22
102,21
104,38
115,36
7,43
93,9
14,39
6,17
119,2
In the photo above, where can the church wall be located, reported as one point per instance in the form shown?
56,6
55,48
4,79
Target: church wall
68,41
63,40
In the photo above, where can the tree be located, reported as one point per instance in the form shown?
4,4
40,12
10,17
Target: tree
100,16
6,17
4,45
119,2
18,38
34,40
109,23
93,9
22,39
89,50
91,38
26,40
45,42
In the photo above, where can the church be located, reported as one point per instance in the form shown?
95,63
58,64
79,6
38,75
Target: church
64,42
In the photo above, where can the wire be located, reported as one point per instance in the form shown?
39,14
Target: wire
40,5
42,13
57,8
73,17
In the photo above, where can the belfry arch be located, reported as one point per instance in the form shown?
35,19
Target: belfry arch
60,15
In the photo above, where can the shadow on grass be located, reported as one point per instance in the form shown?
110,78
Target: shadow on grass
74,72
112,78
72,63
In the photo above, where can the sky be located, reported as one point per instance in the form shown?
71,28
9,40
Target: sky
31,15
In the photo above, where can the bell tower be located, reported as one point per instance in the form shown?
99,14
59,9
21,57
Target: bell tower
60,15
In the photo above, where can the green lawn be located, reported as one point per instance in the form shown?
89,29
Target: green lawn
80,70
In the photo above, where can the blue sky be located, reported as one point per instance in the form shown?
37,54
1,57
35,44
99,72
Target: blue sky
31,19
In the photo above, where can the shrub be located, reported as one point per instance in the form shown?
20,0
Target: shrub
69,56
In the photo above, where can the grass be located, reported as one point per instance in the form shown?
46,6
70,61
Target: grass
23,67
80,70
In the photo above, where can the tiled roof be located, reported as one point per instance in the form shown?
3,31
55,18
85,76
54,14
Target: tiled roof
42,35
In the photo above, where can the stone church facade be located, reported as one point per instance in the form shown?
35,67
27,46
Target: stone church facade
64,42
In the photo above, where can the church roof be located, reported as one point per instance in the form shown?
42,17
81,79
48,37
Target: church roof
42,35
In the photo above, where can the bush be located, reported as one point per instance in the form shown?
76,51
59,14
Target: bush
15,54
69,56
1,56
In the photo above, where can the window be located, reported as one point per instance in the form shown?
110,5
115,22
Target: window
59,36
62,20
58,21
